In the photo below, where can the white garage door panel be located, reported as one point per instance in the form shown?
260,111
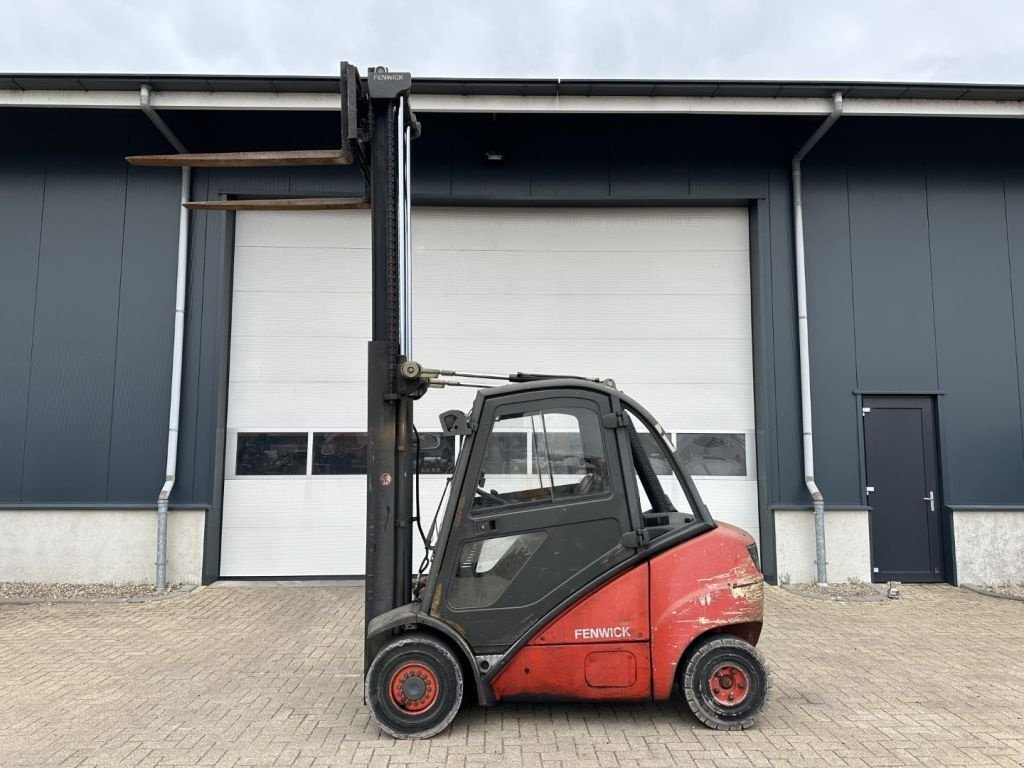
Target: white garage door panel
293,526
298,358
580,229
324,407
279,406
296,500
299,526
658,299
551,319
303,229
731,500
724,361
588,273
695,407
328,270
273,313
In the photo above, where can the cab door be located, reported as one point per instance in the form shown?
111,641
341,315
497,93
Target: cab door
541,513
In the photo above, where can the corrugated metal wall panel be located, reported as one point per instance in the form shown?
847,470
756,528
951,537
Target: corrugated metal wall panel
21,209
75,336
1014,187
888,224
145,324
974,326
832,336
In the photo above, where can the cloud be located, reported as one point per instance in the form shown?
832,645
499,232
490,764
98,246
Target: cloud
931,40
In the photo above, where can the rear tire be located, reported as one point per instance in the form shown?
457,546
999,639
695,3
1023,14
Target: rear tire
726,683
414,687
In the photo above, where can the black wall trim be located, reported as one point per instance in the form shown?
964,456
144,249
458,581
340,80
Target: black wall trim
222,341
764,383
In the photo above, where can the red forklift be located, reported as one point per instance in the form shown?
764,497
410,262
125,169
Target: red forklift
574,559
563,567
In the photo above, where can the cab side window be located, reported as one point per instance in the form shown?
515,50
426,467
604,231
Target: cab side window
542,456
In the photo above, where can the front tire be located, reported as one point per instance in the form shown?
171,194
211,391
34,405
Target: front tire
414,687
726,683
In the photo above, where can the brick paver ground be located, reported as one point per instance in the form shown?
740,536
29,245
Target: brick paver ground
271,676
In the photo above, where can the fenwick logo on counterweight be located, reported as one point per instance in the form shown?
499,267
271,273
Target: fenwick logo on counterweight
602,633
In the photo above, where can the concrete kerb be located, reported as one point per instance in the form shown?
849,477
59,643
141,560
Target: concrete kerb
353,581
990,593
879,598
183,592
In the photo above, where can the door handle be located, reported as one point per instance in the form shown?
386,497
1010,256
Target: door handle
930,498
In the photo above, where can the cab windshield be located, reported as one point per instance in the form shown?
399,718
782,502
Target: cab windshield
665,499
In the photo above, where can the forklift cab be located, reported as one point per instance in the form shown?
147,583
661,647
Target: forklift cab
558,486
575,561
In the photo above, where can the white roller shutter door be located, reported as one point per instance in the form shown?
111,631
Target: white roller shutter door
657,299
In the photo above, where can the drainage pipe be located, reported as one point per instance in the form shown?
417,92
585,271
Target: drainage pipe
163,500
805,357
147,108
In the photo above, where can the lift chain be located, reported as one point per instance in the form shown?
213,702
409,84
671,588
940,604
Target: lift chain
392,277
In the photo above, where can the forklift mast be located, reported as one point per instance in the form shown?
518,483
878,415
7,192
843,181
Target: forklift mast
377,127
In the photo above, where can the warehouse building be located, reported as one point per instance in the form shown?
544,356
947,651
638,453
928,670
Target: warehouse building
642,231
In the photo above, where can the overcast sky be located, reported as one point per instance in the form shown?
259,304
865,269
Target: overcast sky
926,40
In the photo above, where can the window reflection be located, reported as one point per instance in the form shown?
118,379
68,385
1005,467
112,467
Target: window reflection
712,454
271,453
437,453
339,453
344,453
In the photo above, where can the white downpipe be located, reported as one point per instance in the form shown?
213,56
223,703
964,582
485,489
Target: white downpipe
170,474
179,344
805,356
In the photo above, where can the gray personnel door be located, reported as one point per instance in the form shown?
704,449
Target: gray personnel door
901,461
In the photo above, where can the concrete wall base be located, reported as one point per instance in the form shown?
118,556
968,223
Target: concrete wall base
98,546
847,545
989,546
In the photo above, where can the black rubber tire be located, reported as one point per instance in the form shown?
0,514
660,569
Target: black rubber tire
428,652
695,677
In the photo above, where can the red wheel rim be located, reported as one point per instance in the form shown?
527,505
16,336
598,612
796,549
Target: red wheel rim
729,685
413,689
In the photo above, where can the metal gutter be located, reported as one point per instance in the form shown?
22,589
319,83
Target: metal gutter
542,104
805,356
170,474
517,86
